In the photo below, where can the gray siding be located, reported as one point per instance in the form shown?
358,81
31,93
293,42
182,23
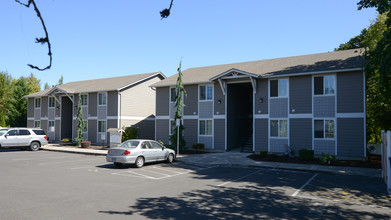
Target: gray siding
324,106
219,109
146,129
350,137
44,125
30,107
51,113
190,133
84,110
261,135
206,109
207,141
74,130
324,146
278,145
162,101
191,100
92,105
300,92
300,133
111,123
262,93
75,104
219,134
57,129
102,111
279,108
350,92
37,114
30,123
58,108
112,103
44,107
162,130
172,109
92,130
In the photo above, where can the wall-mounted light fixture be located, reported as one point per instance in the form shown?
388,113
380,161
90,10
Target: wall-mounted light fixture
260,100
219,101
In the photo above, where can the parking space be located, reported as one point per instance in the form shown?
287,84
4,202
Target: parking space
84,186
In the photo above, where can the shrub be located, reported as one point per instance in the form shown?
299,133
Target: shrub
263,154
306,154
130,133
327,158
66,140
198,146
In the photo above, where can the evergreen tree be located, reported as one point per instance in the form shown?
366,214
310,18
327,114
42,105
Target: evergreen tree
80,123
2,119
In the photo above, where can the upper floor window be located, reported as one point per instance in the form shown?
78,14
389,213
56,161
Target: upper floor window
279,88
52,102
37,103
278,128
172,94
324,129
324,85
102,99
206,92
84,100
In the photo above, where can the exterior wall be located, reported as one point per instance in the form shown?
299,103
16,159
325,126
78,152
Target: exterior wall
262,93
351,137
57,125
190,132
162,130
219,109
300,95
30,123
191,100
92,104
162,101
44,107
92,130
278,107
277,145
146,128
206,109
219,134
207,141
324,146
261,135
30,107
300,133
324,106
112,104
350,92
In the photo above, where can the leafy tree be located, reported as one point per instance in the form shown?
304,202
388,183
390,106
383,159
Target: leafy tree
6,95
19,116
180,91
80,123
2,119
355,42
33,83
47,86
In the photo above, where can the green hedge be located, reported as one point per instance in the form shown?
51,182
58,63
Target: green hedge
306,154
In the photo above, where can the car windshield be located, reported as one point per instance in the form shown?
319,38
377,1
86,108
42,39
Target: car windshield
130,144
3,131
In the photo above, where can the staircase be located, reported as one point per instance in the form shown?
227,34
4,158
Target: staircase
248,146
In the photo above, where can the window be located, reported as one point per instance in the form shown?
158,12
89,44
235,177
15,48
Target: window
37,124
39,132
324,85
172,94
38,103
205,127
12,132
206,92
24,132
84,100
324,128
156,145
85,126
278,128
101,126
279,88
102,99
52,102
51,126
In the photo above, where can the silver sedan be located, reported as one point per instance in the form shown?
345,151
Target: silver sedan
139,152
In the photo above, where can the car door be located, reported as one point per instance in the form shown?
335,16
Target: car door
160,153
24,137
10,139
147,151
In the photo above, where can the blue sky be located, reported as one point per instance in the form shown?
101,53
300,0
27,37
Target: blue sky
107,38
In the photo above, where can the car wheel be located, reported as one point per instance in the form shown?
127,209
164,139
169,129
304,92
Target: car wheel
118,165
34,146
170,158
139,162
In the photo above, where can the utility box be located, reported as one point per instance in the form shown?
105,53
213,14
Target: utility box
115,135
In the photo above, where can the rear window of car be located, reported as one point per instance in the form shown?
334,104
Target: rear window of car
24,132
130,144
39,132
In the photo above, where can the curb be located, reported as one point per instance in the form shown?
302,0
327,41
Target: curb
77,152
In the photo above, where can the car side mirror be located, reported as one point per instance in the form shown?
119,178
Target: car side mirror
6,135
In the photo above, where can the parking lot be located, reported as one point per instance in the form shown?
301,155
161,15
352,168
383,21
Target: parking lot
54,185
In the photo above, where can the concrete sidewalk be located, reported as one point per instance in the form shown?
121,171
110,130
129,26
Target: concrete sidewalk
233,158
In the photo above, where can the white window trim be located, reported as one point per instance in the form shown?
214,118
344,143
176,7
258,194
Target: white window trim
99,132
35,121
279,119
170,94
199,91
324,128
106,99
205,135
87,100
324,87
35,103
278,97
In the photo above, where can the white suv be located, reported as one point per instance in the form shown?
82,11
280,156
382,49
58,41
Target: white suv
31,138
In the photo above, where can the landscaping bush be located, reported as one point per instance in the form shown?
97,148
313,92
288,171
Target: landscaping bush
198,146
66,140
327,158
306,154
263,154
130,133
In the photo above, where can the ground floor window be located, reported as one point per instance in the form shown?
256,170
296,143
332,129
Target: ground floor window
324,129
205,127
278,128
37,124
101,126
51,126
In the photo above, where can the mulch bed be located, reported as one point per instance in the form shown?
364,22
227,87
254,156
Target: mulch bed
316,161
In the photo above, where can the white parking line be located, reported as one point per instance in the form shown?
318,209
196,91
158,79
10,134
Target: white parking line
305,184
40,158
225,183
69,161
